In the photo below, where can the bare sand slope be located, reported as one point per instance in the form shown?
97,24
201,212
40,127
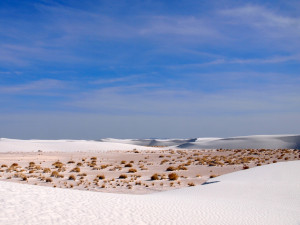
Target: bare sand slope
262,195
254,142
14,145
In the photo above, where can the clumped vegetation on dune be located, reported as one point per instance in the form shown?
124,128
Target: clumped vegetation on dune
172,168
173,176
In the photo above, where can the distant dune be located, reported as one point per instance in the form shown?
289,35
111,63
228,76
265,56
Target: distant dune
256,142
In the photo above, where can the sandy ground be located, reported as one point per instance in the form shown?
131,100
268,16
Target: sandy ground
103,171
261,195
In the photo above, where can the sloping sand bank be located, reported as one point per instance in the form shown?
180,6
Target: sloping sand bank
262,195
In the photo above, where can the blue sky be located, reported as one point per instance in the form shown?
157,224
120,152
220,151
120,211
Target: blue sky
140,69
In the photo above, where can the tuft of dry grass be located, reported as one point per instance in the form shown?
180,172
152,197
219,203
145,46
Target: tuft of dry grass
171,168
101,177
173,176
72,177
46,170
132,170
123,176
75,170
49,179
155,177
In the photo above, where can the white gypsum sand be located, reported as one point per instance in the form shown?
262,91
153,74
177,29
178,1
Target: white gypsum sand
262,195
15,145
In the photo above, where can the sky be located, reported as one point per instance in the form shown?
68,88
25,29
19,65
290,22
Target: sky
149,69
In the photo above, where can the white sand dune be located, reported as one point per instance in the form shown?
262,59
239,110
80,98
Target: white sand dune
149,142
14,145
262,195
255,141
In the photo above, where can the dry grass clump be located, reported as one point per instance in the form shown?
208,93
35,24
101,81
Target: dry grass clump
123,162
123,176
181,167
49,180
164,161
31,164
104,166
82,175
46,170
171,168
24,177
58,164
3,165
101,177
173,176
71,161
213,176
72,177
191,184
132,170
155,177
245,167
128,165
75,170
56,174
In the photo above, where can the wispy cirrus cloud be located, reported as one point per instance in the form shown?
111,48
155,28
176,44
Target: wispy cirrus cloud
38,87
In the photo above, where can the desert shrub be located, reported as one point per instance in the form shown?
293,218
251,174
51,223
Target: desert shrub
104,166
155,177
14,165
181,167
56,174
31,164
171,168
132,170
72,177
71,161
79,164
58,164
24,177
164,161
128,165
3,165
173,176
46,170
38,167
49,179
100,177
245,167
75,170
82,174
123,176
213,176
191,184
123,162
94,158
